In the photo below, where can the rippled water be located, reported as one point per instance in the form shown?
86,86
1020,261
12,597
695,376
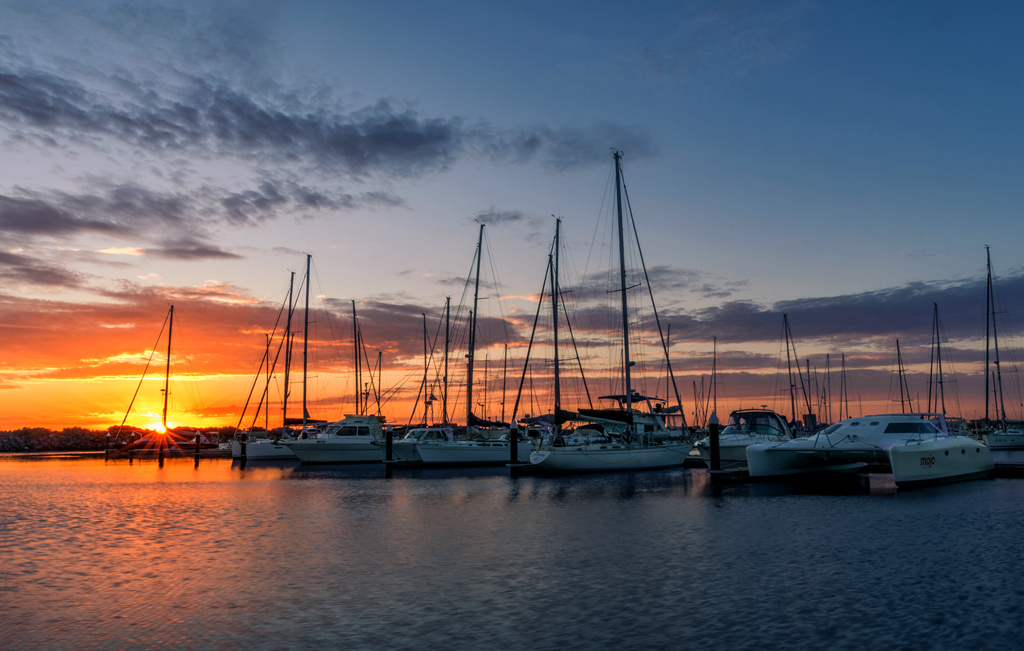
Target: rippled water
97,554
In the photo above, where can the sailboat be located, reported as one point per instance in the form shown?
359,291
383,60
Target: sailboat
488,442
1001,437
357,438
270,448
622,438
165,438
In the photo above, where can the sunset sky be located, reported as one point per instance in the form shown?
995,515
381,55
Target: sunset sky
842,163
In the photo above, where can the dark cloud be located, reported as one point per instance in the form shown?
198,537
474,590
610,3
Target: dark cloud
189,249
38,216
18,268
904,312
213,118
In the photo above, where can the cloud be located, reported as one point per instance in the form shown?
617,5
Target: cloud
21,269
494,216
190,249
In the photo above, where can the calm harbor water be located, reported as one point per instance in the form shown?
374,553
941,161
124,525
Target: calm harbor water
102,554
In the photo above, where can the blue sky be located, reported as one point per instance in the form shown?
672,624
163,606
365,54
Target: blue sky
842,162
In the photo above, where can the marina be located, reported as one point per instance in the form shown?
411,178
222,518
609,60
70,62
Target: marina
100,554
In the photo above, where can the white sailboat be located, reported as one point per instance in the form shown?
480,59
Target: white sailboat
267,447
1001,436
622,438
487,443
357,438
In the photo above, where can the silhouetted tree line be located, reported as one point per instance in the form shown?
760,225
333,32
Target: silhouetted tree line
77,439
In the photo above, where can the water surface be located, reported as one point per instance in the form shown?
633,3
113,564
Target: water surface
100,554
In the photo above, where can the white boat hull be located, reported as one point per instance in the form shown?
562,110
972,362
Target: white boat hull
405,451
941,459
337,450
261,450
609,457
775,460
476,453
1011,440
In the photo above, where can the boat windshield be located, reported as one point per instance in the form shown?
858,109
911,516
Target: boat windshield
754,423
916,427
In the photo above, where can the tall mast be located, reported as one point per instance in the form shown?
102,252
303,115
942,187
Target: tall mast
305,348
358,362
714,374
553,267
266,392
447,336
991,300
935,367
843,396
622,283
167,375
828,389
287,354
903,381
504,382
789,367
988,326
472,331
426,368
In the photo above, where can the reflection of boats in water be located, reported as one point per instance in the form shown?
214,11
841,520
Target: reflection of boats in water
745,427
897,440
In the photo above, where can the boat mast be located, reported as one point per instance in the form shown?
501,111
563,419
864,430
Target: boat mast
789,367
935,368
167,374
988,327
714,374
622,283
991,310
903,381
305,348
287,354
266,392
843,397
426,367
504,382
358,362
447,336
553,269
472,331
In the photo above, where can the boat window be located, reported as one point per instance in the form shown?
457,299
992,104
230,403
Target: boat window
922,427
874,422
854,424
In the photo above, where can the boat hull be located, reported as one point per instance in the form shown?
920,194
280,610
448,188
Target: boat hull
261,450
940,460
1011,440
780,460
610,458
471,453
337,450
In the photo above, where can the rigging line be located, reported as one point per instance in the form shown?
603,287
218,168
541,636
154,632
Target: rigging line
152,352
654,308
241,416
529,347
579,360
